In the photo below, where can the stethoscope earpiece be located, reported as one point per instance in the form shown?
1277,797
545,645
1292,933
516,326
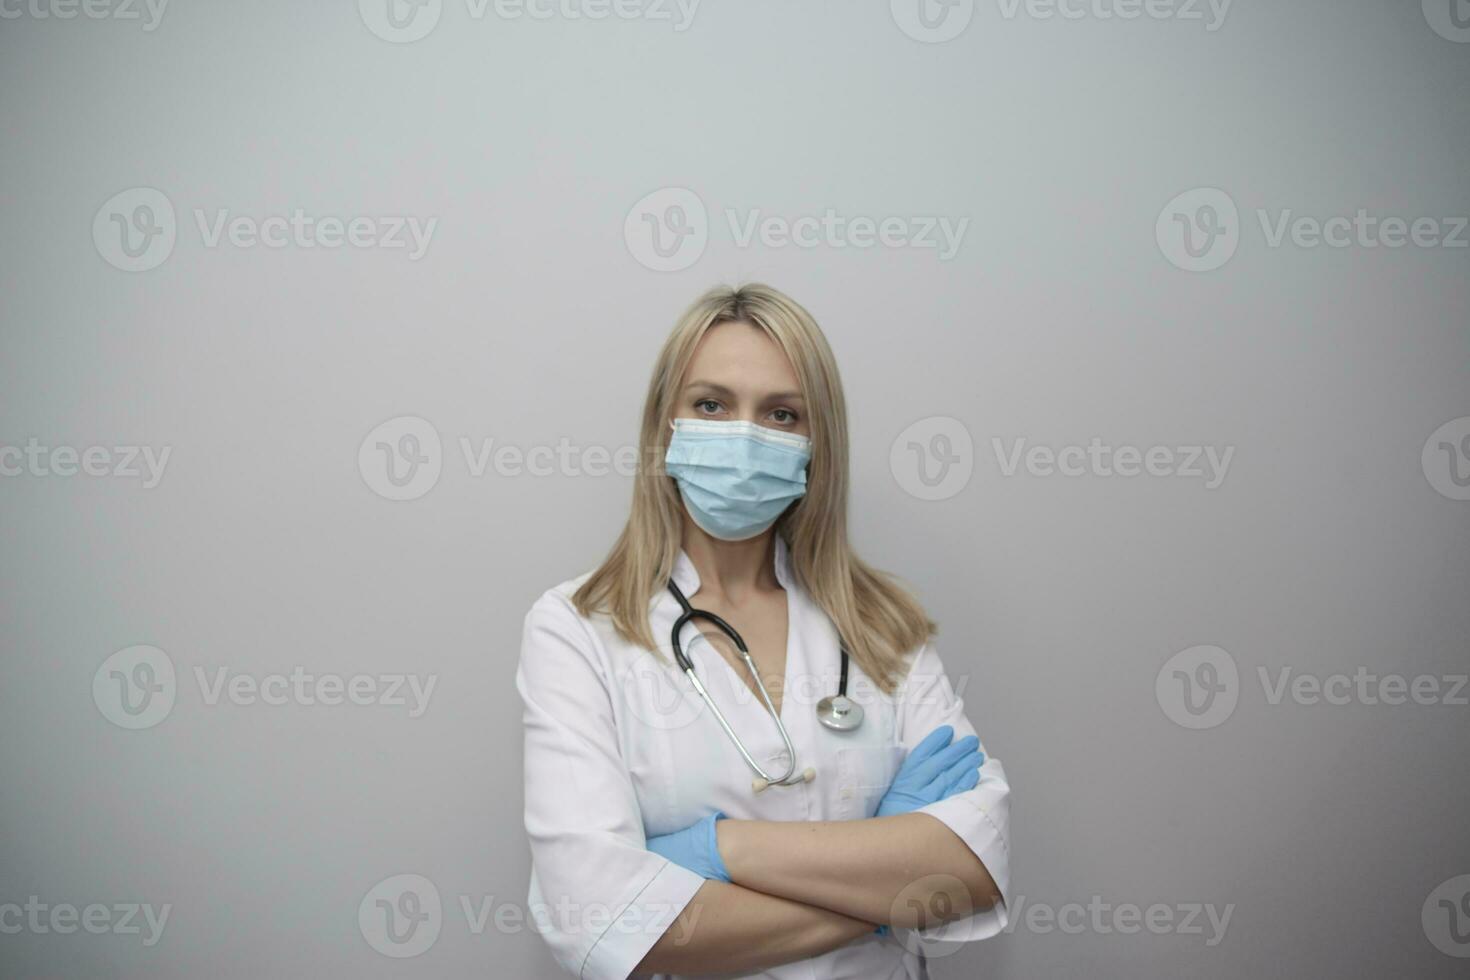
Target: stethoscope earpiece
759,785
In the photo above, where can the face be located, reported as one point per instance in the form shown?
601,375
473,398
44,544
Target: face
738,373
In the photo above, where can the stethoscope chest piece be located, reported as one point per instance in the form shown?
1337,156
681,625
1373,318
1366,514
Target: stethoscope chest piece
839,713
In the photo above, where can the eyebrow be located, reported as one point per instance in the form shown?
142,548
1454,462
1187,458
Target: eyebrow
720,389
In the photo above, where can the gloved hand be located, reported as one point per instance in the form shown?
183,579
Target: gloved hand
934,770
696,848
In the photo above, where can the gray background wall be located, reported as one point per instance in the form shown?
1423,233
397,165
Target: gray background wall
1336,543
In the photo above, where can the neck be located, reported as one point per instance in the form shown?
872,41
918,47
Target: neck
731,570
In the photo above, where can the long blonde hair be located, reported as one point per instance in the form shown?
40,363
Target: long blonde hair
878,621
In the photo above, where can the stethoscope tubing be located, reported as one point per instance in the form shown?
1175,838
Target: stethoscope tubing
689,614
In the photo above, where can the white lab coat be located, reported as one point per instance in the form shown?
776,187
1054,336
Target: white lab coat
619,748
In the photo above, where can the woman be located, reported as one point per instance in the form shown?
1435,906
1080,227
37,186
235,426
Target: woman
660,846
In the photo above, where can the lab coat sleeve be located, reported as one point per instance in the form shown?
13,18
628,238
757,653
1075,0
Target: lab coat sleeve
981,816
599,898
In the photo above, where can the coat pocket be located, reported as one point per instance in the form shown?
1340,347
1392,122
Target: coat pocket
864,773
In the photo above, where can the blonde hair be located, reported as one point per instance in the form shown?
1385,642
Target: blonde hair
878,621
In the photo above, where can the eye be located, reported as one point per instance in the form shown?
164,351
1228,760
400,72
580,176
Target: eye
784,416
708,406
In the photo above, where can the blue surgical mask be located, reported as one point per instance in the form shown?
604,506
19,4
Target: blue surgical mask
736,478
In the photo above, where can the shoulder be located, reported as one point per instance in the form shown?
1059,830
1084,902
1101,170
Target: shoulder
923,668
554,615
556,636
557,600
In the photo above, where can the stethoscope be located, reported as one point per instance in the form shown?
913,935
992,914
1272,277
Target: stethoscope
839,712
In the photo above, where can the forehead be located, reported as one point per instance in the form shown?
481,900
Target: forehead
737,354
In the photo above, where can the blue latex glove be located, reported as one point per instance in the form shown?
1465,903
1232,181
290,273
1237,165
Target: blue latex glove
696,848
934,770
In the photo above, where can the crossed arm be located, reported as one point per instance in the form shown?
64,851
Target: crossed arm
801,889
733,929
787,891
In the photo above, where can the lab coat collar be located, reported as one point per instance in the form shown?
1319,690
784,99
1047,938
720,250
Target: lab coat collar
687,579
